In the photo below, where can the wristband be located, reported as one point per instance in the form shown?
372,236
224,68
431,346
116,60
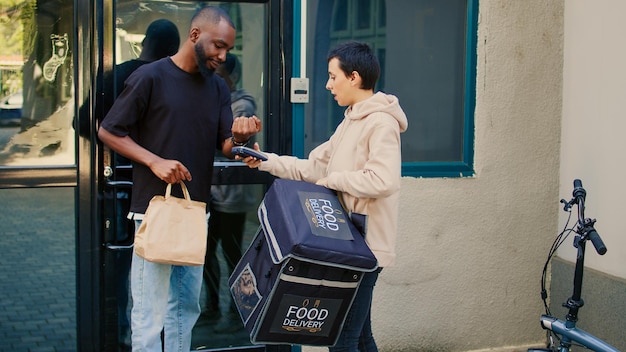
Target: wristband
238,144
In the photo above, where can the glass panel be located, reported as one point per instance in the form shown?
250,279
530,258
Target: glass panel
363,20
340,16
37,270
220,325
421,49
217,327
36,83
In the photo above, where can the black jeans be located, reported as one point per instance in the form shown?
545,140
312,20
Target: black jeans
356,335
227,228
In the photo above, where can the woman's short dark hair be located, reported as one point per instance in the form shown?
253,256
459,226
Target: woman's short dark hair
359,57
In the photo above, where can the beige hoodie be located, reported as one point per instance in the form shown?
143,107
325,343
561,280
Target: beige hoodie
362,162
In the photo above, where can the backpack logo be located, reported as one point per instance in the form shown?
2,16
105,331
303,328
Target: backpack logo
305,315
327,217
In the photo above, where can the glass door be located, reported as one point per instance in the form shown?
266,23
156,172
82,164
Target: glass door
141,31
64,237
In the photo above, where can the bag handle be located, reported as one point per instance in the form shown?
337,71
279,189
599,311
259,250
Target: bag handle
168,191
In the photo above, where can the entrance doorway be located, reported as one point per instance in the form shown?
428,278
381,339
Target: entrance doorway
64,235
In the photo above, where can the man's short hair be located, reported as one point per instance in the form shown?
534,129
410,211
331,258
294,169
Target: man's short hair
211,14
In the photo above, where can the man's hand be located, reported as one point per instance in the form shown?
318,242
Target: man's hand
245,127
170,171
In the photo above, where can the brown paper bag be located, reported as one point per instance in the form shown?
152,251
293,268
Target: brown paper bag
173,230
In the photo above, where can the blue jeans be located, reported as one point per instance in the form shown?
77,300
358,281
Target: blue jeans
356,335
165,297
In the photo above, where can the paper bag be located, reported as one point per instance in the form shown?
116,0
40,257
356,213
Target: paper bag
173,230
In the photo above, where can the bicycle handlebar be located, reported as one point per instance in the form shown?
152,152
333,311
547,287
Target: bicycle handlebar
579,192
598,244
586,225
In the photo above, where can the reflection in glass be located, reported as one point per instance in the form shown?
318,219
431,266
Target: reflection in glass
351,20
36,84
340,16
363,16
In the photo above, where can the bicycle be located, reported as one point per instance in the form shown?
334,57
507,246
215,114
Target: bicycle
565,331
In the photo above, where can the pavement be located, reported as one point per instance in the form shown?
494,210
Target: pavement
37,270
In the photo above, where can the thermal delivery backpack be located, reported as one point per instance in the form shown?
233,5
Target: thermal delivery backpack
297,280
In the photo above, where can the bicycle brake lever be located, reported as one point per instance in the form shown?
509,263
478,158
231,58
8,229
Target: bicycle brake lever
568,205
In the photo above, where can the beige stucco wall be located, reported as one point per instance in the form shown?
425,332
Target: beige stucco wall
471,250
594,89
592,148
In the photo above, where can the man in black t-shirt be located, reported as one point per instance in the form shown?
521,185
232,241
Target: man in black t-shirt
169,119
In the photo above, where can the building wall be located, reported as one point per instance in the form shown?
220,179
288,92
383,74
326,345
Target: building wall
471,250
592,145
594,88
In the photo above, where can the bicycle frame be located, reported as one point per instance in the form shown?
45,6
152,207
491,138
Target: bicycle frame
567,330
574,334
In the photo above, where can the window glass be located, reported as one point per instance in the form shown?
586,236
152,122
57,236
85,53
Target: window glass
364,10
36,83
421,45
340,16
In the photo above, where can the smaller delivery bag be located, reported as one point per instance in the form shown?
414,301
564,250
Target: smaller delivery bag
297,280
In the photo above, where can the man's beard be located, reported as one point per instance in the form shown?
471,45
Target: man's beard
201,59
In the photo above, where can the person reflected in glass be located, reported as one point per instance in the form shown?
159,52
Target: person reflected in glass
229,204
362,162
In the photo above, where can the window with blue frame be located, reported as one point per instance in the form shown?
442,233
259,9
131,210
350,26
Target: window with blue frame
427,52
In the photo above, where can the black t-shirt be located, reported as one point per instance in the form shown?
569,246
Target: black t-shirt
176,115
